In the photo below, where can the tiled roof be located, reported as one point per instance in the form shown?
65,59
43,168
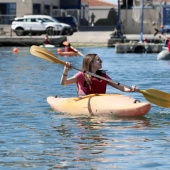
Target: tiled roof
104,3
161,1
98,3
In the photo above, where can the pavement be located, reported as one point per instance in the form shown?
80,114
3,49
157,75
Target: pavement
101,37
90,36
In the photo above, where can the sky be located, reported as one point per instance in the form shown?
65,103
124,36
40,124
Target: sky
112,1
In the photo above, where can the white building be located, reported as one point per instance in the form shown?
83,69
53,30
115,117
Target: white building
17,8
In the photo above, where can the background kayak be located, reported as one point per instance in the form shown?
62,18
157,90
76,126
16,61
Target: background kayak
48,46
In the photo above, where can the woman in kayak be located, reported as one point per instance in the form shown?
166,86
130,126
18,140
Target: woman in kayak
87,84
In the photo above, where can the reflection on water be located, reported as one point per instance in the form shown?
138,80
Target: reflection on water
35,137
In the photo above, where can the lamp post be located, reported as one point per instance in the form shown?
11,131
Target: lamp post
117,35
118,17
141,27
118,26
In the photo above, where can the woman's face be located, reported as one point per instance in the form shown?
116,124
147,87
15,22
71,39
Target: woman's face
97,63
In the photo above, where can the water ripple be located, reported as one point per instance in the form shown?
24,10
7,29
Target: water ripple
32,136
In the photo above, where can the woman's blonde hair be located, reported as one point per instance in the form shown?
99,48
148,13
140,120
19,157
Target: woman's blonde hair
87,66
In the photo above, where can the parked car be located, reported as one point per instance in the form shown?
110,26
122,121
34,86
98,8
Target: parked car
71,20
40,24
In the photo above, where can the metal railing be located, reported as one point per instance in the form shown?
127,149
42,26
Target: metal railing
6,19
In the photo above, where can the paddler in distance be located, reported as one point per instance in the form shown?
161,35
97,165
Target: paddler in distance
68,51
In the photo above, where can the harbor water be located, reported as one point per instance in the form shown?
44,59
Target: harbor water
34,137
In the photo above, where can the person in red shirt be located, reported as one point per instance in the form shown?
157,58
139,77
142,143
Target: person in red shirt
168,44
68,51
46,40
87,84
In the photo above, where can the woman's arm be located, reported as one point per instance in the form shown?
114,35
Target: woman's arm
123,88
64,80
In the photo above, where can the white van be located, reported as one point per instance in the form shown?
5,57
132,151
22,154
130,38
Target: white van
40,24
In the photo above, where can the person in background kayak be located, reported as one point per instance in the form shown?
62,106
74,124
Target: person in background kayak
87,84
46,40
68,51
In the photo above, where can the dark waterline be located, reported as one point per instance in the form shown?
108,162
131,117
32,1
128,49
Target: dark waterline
32,136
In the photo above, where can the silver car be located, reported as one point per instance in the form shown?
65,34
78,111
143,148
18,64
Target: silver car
37,25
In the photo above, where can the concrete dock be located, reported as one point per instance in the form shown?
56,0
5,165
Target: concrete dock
102,37
130,44
30,40
86,38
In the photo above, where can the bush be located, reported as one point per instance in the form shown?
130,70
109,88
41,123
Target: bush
110,20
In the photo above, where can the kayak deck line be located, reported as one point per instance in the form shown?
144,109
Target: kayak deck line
92,95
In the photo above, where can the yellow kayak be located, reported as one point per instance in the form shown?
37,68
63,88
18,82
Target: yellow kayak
100,104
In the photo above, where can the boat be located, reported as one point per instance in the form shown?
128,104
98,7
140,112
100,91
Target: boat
164,48
100,105
68,54
48,46
163,55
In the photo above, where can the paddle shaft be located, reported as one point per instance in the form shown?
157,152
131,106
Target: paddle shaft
66,43
47,55
101,77
92,74
77,51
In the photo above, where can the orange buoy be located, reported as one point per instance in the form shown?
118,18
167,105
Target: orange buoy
59,50
15,50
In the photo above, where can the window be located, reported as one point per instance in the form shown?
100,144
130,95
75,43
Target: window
19,20
47,20
33,20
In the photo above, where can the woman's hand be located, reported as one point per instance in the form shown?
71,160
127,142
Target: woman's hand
134,88
68,66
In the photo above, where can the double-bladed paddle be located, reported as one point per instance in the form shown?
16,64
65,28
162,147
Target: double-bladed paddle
154,96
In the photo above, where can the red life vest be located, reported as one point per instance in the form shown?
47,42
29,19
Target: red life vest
98,85
68,49
46,42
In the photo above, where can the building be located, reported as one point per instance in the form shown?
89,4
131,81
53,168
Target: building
81,9
16,8
156,13
102,12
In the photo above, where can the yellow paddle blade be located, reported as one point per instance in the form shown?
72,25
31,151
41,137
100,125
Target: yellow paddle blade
157,97
45,54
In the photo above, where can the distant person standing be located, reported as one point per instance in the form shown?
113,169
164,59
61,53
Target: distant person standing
92,19
145,40
162,29
166,41
169,46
